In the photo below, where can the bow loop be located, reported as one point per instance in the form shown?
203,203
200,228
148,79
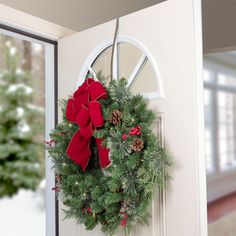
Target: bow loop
70,111
95,110
83,88
81,100
97,91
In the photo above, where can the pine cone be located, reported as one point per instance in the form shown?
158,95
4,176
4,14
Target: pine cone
137,145
58,178
115,119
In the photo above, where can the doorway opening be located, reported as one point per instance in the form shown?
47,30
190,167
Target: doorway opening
28,79
220,141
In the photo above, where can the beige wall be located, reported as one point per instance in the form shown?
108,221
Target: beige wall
78,14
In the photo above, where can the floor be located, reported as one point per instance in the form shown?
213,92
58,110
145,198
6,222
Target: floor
225,226
221,207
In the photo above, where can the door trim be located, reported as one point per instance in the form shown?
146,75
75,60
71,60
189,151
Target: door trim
201,169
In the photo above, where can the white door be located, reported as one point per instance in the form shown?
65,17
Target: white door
164,44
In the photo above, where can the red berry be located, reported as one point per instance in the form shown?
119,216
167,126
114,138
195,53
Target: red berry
133,131
124,136
123,222
89,210
56,189
47,143
126,216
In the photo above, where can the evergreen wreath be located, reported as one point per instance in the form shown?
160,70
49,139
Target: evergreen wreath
108,162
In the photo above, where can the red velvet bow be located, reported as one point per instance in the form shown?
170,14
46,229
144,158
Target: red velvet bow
85,110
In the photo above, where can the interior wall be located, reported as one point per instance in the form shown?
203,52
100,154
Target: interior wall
79,14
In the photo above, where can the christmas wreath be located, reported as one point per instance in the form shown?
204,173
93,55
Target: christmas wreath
107,160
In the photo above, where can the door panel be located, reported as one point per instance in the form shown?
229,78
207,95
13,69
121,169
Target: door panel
167,31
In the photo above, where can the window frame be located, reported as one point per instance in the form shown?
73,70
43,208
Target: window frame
146,55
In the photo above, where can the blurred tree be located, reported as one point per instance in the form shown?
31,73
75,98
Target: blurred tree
20,165
27,63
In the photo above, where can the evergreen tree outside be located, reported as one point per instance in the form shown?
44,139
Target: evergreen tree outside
20,148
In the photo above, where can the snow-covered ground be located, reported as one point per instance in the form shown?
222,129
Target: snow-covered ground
23,215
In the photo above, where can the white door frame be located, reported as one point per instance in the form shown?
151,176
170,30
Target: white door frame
201,168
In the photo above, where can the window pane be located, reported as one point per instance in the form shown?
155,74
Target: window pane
145,81
208,131
129,60
226,79
226,136
208,75
103,63
226,101
128,57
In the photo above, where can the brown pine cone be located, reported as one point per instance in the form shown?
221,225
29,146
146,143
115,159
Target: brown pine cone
115,119
58,178
137,145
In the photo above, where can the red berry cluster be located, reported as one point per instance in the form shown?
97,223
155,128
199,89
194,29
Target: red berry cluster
88,210
134,131
50,143
56,189
123,221
124,136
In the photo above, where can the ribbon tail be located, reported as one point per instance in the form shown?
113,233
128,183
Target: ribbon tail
103,153
79,150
